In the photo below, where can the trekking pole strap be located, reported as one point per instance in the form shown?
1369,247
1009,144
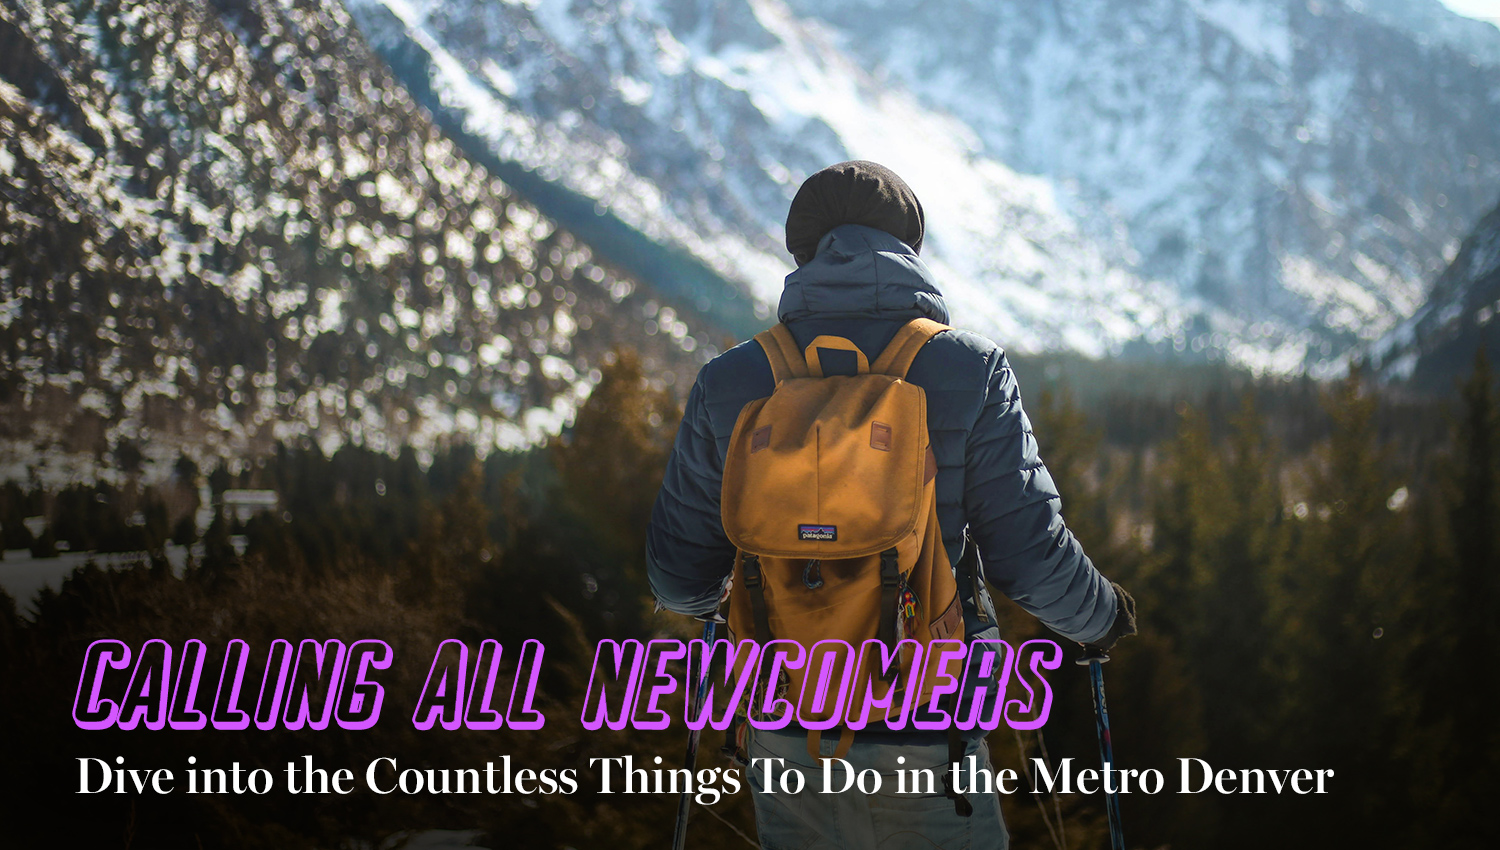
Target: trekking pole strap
966,571
961,804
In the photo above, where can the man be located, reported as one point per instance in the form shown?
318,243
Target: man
855,230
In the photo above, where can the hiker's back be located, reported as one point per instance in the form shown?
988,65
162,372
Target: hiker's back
855,230
991,485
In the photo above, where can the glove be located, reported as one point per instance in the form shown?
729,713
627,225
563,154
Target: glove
1124,625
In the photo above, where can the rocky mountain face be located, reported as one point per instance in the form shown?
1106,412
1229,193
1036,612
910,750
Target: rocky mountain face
223,224
1434,24
1272,182
1437,345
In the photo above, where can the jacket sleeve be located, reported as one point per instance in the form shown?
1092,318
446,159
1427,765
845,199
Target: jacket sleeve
1015,517
687,554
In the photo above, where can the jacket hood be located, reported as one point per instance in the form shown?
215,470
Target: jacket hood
862,273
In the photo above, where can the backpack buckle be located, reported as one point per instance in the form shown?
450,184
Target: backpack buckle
752,569
890,570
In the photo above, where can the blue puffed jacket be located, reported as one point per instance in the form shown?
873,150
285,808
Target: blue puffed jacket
992,487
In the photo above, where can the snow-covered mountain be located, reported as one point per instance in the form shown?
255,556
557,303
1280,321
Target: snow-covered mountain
694,124
224,225
1274,181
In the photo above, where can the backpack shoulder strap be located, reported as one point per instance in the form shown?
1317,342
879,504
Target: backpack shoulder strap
897,357
781,349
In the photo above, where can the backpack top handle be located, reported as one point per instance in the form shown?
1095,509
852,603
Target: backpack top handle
838,343
789,360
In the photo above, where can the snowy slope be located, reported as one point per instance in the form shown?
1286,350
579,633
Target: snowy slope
1301,164
225,226
696,122
1273,181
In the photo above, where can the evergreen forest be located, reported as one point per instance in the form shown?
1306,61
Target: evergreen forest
1315,566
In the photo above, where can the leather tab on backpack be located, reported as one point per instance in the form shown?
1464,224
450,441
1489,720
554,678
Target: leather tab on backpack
950,622
760,438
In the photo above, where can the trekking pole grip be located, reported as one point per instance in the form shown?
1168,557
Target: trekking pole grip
1092,654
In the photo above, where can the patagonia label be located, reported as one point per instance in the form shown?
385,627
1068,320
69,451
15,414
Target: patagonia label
817,532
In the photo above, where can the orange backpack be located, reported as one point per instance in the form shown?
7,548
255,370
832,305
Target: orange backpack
829,497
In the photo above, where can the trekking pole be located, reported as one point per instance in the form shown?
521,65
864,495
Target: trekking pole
684,803
1093,658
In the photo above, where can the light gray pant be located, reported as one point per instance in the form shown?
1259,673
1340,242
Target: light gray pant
853,820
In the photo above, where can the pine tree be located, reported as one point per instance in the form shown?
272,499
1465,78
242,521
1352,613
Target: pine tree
1156,702
453,542
1345,595
1187,521
1474,515
1245,545
1454,741
1072,449
611,461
